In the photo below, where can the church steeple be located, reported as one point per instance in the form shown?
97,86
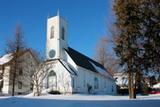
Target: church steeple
56,37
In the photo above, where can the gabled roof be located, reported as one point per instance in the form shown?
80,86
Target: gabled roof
65,65
7,58
84,61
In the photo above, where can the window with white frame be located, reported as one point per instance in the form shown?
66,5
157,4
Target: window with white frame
96,85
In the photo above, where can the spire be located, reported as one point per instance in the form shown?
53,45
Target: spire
58,12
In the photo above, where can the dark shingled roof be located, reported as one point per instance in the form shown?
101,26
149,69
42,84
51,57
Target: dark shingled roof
82,60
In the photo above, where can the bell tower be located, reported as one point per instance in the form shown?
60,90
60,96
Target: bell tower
56,40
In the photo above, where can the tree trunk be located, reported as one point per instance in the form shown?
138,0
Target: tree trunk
14,71
129,84
133,86
14,78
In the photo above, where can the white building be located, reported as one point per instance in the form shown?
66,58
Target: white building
71,71
26,68
121,79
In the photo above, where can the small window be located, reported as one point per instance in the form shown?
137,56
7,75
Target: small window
112,88
20,71
19,85
73,82
84,81
105,84
63,33
52,32
96,83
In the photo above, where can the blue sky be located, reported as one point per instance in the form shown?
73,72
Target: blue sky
88,21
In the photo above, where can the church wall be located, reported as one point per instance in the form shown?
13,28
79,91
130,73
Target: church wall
86,77
63,78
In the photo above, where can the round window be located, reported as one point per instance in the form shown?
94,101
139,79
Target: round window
51,53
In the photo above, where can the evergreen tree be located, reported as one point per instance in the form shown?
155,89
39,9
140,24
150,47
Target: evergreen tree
137,43
126,44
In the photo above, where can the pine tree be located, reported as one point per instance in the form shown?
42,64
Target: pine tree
137,44
127,45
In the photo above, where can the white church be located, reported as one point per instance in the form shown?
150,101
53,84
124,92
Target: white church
71,71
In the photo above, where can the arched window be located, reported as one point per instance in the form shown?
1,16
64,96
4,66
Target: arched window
52,80
96,83
52,32
63,33
51,73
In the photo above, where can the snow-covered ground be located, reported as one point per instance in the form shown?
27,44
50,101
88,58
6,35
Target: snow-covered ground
80,101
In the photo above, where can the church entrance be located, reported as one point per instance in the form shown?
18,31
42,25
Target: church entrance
52,80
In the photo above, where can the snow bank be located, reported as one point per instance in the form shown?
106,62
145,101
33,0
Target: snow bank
87,97
80,101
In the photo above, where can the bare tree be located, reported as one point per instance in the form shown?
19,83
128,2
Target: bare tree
105,56
39,76
15,46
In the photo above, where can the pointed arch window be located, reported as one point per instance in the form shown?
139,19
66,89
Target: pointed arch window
51,73
52,80
63,33
52,32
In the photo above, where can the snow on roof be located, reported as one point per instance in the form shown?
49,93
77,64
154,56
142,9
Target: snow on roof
82,60
6,58
100,70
